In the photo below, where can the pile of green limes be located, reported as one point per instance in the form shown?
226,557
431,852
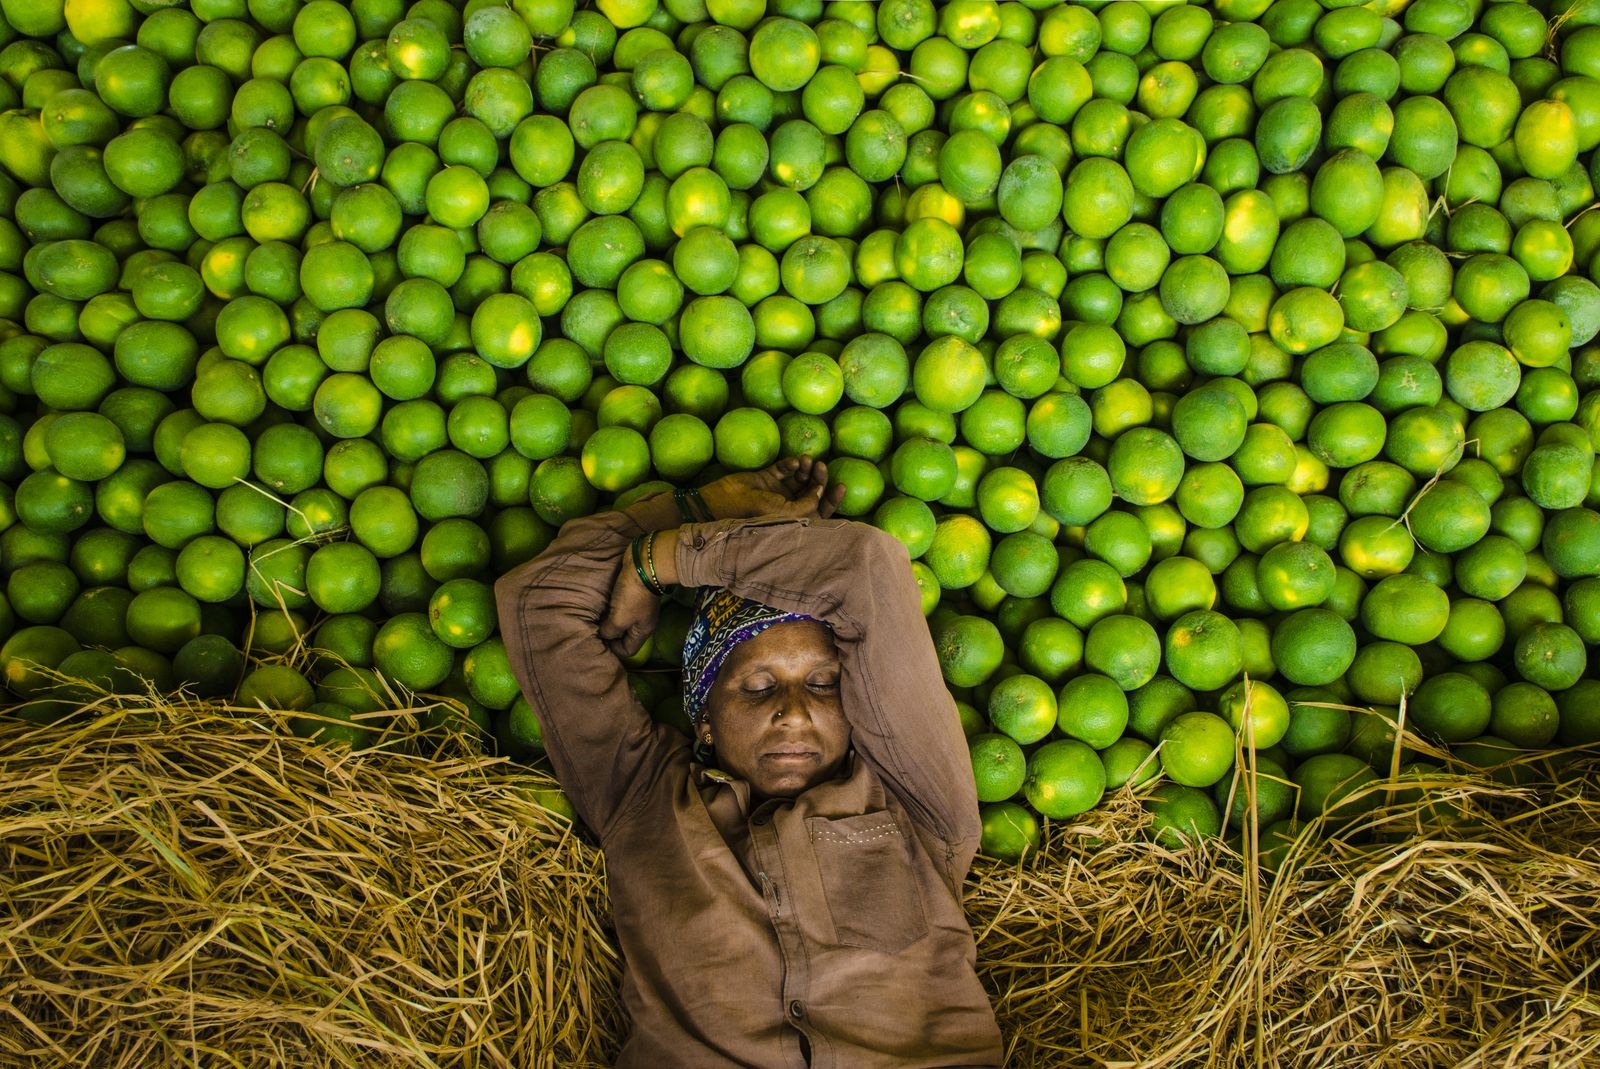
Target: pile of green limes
1226,368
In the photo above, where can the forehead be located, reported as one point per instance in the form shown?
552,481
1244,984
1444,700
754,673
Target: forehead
793,643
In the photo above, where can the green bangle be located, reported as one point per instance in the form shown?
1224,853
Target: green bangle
655,583
680,497
638,566
691,506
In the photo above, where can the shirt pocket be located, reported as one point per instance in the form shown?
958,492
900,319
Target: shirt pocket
873,896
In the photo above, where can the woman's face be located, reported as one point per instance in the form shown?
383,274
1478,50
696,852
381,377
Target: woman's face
774,710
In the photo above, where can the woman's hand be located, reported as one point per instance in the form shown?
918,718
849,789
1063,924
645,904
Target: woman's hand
795,487
632,614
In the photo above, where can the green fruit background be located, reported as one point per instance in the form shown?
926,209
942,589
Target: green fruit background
1226,368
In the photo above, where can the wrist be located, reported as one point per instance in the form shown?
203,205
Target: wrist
664,552
652,560
658,512
719,503
641,554
691,505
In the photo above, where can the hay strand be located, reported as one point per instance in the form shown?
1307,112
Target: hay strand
192,885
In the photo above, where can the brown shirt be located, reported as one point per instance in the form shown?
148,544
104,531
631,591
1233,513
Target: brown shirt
830,923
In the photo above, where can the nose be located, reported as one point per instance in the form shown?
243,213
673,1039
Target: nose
792,705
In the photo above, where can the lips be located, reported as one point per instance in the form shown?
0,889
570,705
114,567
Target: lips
791,751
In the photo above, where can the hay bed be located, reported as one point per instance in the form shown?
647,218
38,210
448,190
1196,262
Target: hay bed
189,885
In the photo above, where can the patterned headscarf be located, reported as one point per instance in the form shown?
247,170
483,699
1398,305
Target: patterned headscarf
722,620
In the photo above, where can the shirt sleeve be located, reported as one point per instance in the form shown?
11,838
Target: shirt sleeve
601,741
858,579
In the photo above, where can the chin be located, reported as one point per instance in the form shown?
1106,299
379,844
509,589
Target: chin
792,783
783,789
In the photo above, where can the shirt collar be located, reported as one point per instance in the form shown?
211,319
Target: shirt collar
716,781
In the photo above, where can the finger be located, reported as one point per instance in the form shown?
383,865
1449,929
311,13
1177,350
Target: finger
779,476
802,474
830,501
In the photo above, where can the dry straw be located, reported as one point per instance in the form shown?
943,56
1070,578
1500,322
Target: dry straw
189,886
192,886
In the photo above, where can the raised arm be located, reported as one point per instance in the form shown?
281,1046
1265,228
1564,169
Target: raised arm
596,733
858,579
566,614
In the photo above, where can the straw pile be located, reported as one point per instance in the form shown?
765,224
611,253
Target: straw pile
183,885
194,886
1406,944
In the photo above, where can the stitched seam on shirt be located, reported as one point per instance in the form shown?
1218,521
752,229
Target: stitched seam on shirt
894,751
801,946
931,818
830,837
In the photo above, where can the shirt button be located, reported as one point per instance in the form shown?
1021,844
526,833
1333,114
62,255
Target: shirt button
797,1009
759,819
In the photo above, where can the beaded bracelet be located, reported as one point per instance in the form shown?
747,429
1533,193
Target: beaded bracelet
637,549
